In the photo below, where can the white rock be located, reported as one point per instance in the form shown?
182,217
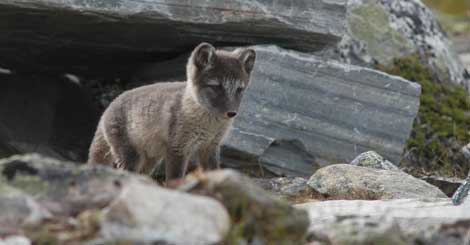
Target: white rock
145,212
404,221
15,240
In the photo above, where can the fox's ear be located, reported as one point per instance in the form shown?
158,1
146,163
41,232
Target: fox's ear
203,55
248,57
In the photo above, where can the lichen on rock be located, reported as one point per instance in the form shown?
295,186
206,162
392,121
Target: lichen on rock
372,159
379,31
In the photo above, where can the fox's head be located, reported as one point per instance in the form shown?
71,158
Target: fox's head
219,78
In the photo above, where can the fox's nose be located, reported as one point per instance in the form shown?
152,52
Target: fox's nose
231,114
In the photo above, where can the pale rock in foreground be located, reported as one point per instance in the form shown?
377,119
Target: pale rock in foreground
345,181
146,213
257,215
15,240
79,204
392,222
18,210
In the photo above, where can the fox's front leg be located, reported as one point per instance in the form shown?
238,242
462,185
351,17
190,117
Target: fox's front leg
176,163
209,157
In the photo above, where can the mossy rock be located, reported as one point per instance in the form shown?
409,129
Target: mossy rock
65,188
257,217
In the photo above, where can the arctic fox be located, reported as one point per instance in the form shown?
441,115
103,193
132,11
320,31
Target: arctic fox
176,121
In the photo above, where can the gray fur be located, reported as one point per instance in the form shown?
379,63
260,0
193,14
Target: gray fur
175,121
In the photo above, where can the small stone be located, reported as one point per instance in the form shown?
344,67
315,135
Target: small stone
372,159
292,189
462,194
466,152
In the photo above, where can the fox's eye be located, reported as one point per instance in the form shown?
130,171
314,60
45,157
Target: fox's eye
213,83
214,86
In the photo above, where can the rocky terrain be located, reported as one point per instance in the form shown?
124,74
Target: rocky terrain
354,130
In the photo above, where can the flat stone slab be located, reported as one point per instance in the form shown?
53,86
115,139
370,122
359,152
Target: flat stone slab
313,110
82,35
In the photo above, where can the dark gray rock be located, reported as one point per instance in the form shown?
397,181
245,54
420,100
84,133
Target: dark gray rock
45,114
445,184
299,107
379,31
345,181
91,36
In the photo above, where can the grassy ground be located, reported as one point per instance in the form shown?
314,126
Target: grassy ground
454,15
450,7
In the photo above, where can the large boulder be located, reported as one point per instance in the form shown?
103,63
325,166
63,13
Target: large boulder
299,106
379,31
344,181
405,221
108,36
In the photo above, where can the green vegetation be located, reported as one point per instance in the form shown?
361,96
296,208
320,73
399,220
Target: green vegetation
454,15
451,7
442,125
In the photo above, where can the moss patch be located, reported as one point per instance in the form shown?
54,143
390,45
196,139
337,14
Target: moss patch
442,125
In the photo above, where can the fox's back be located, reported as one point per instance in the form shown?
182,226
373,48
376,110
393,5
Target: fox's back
147,112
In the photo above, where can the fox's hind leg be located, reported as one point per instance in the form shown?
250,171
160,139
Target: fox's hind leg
100,152
124,153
